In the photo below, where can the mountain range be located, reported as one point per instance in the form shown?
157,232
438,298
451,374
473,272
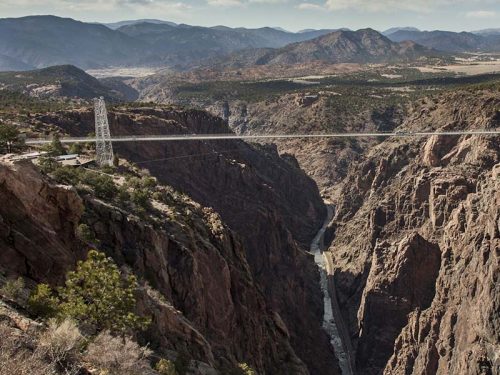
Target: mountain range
117,25
449,41
40,41
341,46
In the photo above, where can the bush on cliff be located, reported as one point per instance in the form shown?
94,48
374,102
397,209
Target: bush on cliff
95,294
55,148
166,367
42,302
246,370
102,185
13,289
9,137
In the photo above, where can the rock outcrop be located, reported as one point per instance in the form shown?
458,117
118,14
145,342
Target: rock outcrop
200,293
267,200
416,244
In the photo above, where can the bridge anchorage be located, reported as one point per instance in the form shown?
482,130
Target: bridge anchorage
103,145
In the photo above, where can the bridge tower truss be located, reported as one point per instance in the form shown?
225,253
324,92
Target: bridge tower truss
104,147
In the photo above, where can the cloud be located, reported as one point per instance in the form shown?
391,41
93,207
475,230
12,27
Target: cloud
268,1
225,3
481,14
419,6
309,6
100,5
241,3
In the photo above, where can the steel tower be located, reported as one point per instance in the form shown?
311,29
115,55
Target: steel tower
104,147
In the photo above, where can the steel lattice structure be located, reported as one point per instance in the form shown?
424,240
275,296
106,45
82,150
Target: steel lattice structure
104,147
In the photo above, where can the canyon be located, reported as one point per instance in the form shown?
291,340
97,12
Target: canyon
419,288
368,256
222,284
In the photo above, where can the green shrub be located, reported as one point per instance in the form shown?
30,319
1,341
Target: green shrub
165,367
157,196
85,234
47,164
9,137
76,148
149,183
123,195
42,302
13,289
55,148
108,169
103,185
96,293
66,175
140,197
134,182
246,370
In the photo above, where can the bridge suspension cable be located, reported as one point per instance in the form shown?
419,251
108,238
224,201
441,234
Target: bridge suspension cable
230,136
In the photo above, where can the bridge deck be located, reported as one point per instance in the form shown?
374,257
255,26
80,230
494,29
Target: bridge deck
203,137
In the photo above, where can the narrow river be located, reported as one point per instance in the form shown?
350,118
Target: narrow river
329,323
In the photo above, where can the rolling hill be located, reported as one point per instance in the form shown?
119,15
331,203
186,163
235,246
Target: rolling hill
64,81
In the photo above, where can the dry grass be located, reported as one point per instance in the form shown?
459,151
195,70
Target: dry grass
55,351
61,342
19,355
118,355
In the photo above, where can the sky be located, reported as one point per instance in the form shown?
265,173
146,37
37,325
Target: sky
293,15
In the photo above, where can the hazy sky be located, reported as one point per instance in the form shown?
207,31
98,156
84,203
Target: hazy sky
456,15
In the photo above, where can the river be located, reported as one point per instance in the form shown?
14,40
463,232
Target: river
329,323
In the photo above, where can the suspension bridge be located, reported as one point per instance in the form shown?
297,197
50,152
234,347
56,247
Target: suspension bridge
104,140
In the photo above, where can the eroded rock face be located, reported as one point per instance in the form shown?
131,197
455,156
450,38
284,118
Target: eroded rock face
37,225
459,332
206,302
416,247
325,160
267,200
393,289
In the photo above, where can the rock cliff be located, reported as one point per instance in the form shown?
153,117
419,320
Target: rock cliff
272,206
205,301
416,244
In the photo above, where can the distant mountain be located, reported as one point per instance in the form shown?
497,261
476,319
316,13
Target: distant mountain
281,29
117,25
216,39
392,30
185,46
57,81
449,41
326,31
362,46
487,32
8,63
41,41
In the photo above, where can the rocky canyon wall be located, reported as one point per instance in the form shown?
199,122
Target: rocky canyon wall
416,244
267,200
